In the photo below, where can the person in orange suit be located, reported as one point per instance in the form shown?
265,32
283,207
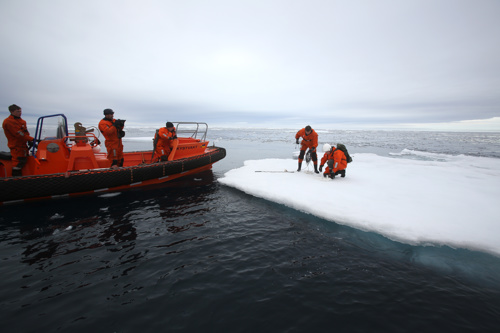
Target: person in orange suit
166,141
309,141
336,162
18,139
112,129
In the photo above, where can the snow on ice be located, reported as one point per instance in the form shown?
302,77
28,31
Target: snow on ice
412,197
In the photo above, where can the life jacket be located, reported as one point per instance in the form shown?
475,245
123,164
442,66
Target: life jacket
310,140
16,132
339,159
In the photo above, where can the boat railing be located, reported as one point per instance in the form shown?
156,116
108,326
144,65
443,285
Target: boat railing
81,138
193,130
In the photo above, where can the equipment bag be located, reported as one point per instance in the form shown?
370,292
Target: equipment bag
155,140
308,156
346,153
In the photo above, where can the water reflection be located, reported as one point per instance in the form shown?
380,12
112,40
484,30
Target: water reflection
67,226
117,245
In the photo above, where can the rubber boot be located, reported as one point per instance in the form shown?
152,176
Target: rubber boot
342,173
316,168
121,163
114,164
21,163
332,175
16,172
300,166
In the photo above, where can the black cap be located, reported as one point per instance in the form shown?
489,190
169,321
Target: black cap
169,124
108,111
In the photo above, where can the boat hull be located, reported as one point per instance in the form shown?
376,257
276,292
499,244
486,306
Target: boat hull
35,187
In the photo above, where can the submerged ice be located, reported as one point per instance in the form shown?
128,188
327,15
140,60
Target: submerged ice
413,197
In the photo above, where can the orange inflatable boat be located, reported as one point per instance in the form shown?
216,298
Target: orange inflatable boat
66,164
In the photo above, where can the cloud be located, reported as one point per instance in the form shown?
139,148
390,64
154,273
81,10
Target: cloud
348,61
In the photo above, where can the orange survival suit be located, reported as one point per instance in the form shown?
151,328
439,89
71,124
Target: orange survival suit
113,142
308,141
17,136
167,141
336,163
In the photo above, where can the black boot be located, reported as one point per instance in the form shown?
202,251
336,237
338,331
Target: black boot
114,164
342,173
332,175
16,172
316,168
300,166
121,163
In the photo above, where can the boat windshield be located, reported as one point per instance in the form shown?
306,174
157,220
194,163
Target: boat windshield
193,130
50,128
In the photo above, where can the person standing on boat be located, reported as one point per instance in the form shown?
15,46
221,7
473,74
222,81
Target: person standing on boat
166,142
18,137
335,160
309,140
112,129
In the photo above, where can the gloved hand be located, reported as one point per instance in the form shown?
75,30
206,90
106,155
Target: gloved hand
297,141
313,149
320,168
30,144
174,137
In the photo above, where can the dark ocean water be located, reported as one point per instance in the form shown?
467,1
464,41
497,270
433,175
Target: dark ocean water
197,256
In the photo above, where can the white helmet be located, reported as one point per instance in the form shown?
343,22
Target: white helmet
326,148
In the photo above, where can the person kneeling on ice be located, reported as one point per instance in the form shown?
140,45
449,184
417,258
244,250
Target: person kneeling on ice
309,140
336,162
165,141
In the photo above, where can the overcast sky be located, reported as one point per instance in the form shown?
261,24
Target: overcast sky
283,63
